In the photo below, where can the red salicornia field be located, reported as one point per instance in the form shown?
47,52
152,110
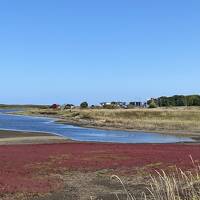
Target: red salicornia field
36,168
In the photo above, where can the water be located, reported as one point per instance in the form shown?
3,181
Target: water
43,124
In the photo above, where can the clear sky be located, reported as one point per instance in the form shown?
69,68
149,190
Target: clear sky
67,51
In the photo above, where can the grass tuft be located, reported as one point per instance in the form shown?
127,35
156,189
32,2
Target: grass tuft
179,185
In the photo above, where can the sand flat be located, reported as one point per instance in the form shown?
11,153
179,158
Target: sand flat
17,137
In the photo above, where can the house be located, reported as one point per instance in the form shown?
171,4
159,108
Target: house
68,106
114,104
55,106
120,104
138,104
105,104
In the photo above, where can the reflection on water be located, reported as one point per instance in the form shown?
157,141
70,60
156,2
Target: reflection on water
41,124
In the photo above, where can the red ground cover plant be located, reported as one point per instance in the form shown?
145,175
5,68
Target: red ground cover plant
33,168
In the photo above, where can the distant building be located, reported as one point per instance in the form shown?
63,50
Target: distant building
105,103
114,104
68,106
120,104
138,104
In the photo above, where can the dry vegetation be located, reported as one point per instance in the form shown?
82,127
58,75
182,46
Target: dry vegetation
176,186
183,120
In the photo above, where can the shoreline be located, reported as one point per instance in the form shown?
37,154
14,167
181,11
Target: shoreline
14,137
192,135
88,124
8,137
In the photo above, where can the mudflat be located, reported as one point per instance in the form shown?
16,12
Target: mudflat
23,137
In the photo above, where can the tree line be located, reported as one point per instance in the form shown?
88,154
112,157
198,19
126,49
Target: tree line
176,100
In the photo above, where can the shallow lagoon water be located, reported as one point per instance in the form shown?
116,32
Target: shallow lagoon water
43,124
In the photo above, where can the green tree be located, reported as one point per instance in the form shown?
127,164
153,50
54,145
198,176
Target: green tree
177,100
152,104
163,101
193,100
84,104
180,100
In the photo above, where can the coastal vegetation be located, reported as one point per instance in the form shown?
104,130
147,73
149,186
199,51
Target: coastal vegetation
76,170
51,168
80,170
178,185
175,120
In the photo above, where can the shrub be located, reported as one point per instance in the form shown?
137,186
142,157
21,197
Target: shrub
152,104
84,104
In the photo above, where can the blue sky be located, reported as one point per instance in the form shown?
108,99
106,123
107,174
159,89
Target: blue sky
60,51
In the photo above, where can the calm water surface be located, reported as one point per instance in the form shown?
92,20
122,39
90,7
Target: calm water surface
42,124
